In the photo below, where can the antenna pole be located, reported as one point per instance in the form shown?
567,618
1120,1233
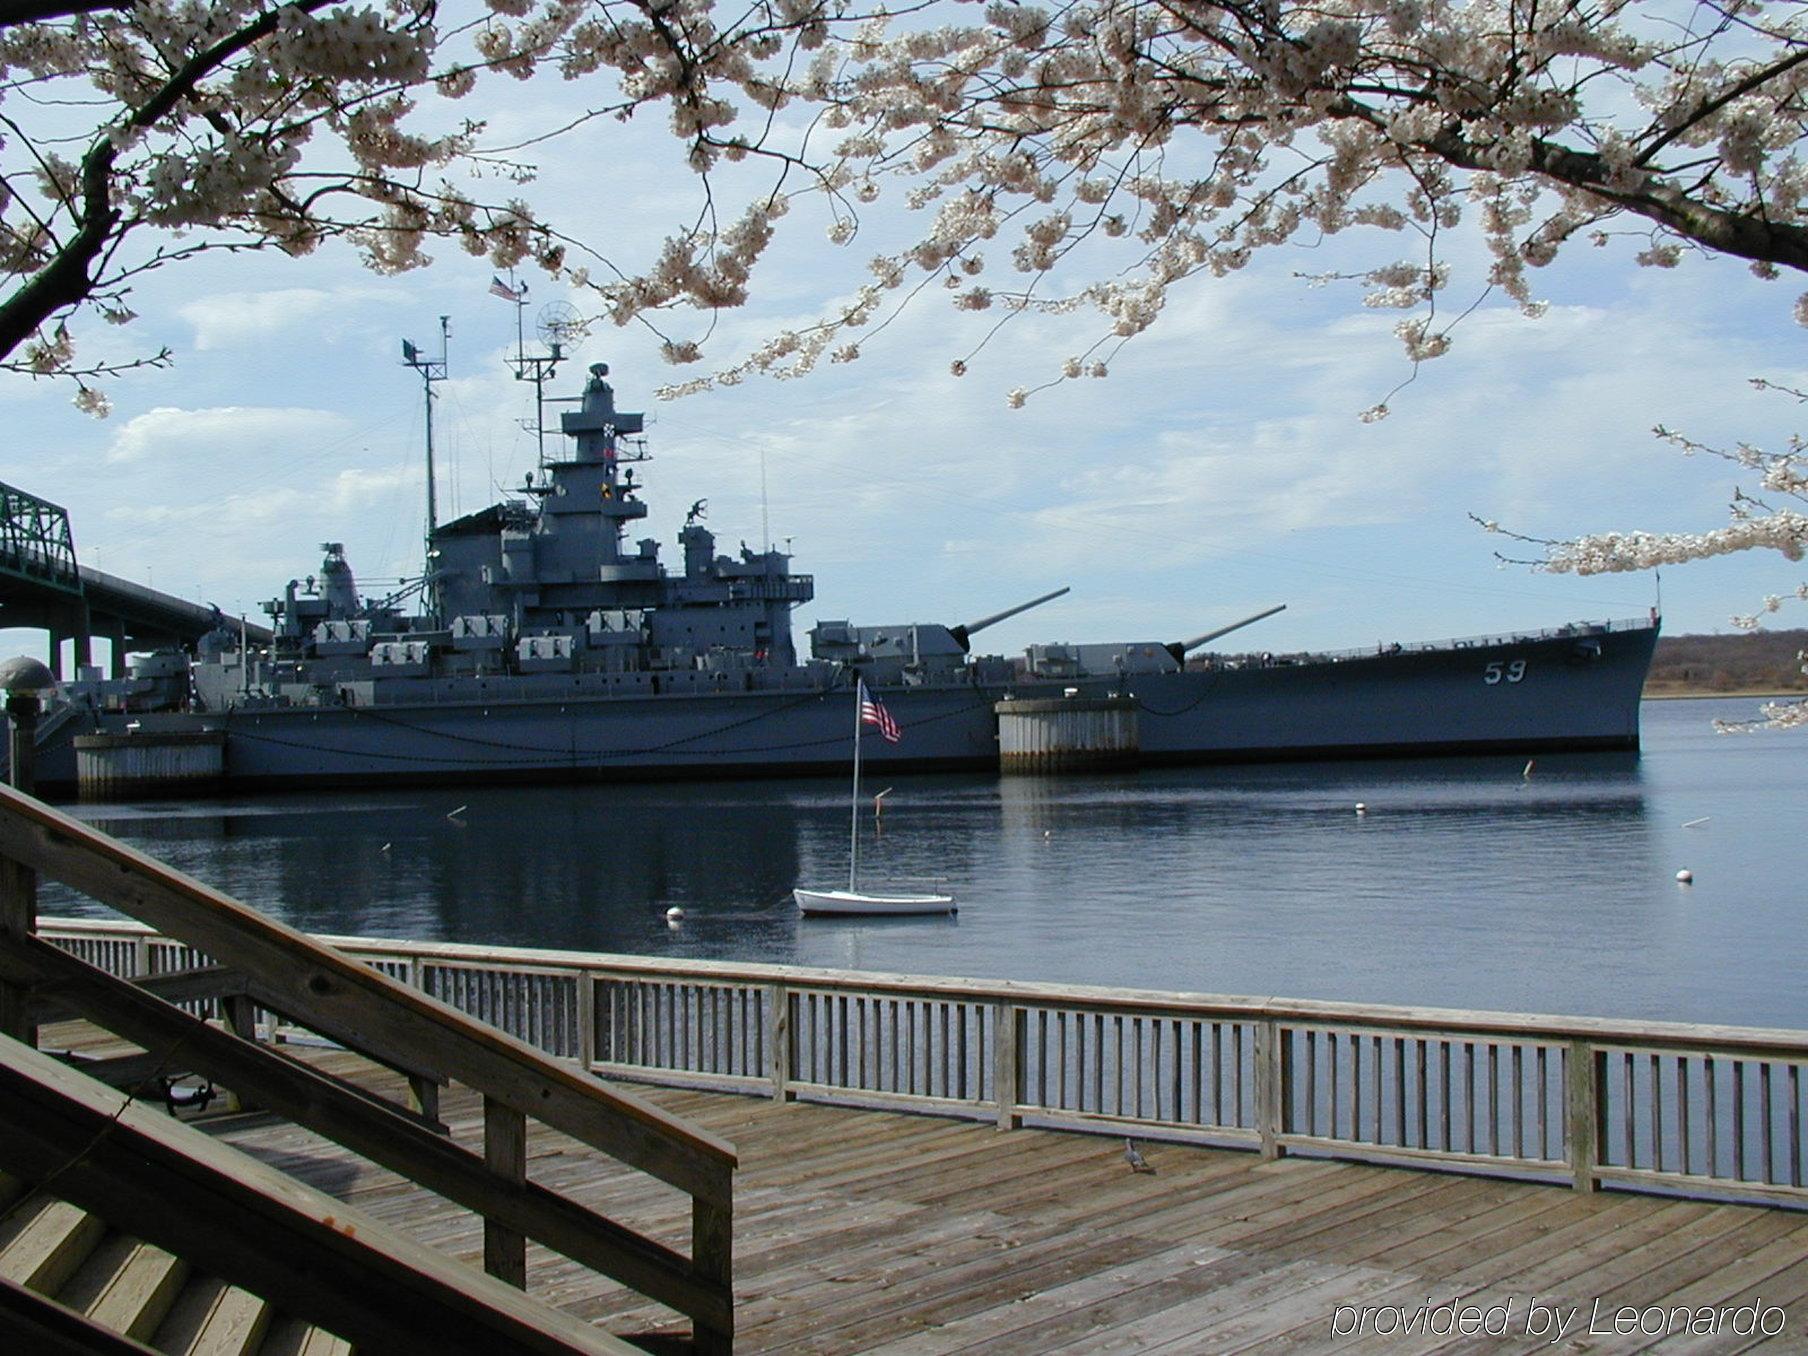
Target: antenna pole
765,519
854,801
431,371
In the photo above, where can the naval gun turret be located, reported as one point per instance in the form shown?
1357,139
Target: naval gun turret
963,634
1180,649
911,651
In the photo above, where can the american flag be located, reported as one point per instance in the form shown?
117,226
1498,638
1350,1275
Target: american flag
873,712
498,288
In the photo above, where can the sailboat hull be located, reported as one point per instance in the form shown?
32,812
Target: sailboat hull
859,902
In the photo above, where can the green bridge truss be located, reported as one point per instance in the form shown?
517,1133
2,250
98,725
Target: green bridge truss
36,545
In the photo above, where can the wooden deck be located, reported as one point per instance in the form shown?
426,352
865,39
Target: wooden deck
865,1231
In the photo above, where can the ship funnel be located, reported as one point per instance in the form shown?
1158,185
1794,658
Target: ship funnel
1180,649
963,634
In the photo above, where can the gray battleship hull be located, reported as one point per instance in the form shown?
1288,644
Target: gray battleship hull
1557,691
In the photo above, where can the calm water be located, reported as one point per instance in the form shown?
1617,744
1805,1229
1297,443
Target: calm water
1466,884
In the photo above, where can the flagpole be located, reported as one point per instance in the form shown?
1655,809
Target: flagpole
854,804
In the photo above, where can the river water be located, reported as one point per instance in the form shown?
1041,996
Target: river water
1472,883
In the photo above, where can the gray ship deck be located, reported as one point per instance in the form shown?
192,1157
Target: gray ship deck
863,1231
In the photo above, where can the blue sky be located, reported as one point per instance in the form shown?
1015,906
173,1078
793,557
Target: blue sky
1220,469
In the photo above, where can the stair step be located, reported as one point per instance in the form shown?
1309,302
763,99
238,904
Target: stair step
212,1318
45,1241
11,1188
293,1337
127,1286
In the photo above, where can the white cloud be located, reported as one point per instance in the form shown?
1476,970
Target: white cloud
168,433
243,320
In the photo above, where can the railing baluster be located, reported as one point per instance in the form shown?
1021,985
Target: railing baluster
1400,1090
1198,1032
1711,1111
1544,1120
1217,1073
1444,1094
1657,1116
1518,1100
1419,1090
1236,1071
1627,1104
1136,1057
1355,1087
1376,1062
1098,1062
1682,1111
1494,1098
1174,1099
1764,1167
1336,1072
1311,1039
1155,1063
1739,1120
1469,1093
1795,1126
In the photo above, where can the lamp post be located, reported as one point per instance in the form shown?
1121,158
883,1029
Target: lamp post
25,681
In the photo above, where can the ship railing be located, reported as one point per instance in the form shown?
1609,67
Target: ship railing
1707,1111
794,587
1573,630
194,952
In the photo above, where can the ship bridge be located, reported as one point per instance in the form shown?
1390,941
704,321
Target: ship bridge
44,587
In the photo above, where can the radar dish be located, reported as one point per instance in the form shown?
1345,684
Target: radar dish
559,323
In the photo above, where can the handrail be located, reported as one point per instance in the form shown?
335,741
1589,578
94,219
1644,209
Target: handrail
1706,1110
1391,1017
316,986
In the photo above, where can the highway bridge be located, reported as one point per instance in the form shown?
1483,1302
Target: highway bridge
44,587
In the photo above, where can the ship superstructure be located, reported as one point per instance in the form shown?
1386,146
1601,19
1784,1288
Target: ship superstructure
543,585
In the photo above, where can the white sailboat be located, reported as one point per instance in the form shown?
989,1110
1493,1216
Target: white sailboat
868,710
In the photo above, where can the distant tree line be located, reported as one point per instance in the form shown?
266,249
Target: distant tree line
1755,661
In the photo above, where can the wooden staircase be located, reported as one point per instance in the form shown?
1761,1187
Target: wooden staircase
124,1229
124,1286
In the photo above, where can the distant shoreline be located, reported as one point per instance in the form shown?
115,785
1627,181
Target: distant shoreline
1695,693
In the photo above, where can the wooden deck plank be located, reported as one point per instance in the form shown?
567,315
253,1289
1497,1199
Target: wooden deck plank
865,1231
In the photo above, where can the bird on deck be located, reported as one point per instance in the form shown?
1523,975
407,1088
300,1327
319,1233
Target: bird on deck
1133,1156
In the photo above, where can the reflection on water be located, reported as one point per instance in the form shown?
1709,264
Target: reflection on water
1466,883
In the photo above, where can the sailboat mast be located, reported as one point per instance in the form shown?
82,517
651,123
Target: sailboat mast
854,804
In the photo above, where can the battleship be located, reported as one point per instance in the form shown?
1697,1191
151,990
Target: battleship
541,644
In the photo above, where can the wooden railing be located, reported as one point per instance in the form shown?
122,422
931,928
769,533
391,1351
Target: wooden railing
1708,1111
211,955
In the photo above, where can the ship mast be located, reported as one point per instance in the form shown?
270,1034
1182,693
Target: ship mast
431,370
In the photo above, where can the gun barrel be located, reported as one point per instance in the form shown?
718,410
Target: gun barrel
962,634
1180,649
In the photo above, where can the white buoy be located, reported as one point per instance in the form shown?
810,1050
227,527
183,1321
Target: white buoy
673,914
1696,823
1361,809
1684,876
384,848
1530,764
459,811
